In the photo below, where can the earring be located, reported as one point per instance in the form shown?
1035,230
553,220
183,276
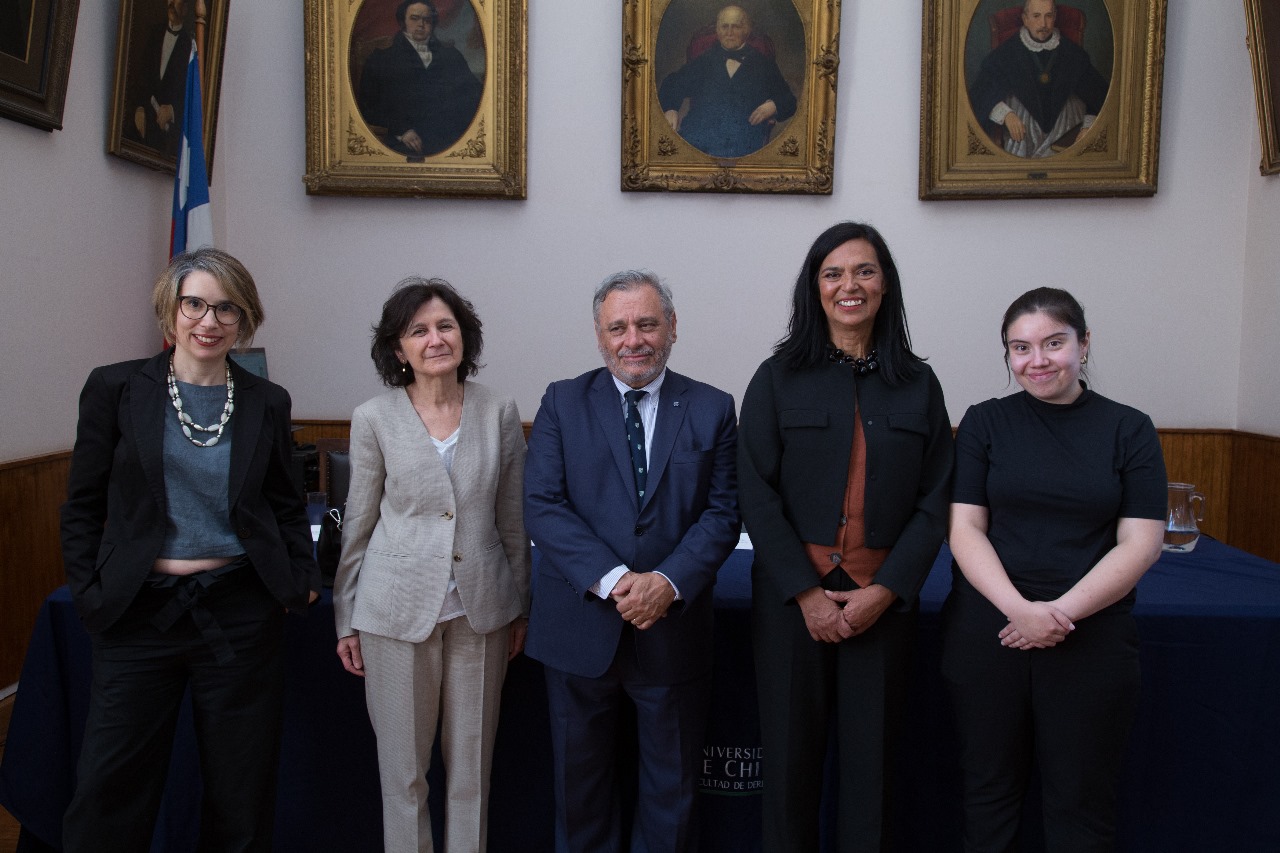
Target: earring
404,367
1084,361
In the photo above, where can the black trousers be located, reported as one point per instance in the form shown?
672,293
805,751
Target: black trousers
140,672
1067,709
804,685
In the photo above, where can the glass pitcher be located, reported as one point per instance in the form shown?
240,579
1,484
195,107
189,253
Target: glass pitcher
1186,507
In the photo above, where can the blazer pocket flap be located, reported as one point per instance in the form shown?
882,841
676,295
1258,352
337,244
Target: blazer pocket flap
909,421
802,418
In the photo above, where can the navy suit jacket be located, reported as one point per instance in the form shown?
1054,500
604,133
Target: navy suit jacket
583,514
113,522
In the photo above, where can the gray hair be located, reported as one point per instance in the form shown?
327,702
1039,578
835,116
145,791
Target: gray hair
628,279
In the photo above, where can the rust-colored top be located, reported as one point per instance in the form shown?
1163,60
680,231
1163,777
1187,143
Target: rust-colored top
848,549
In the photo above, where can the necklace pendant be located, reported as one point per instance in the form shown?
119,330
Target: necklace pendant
1045,78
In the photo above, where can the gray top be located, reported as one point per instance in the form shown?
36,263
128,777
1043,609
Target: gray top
195,480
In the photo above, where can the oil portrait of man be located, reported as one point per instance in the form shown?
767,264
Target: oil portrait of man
1039,86
156,81
727,75
418,71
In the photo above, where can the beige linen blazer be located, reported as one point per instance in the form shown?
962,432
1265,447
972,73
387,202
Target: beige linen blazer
408,523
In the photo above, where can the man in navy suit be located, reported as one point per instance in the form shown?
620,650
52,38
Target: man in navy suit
631,499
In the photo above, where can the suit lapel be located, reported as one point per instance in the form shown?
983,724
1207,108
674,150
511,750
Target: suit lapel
248,416
672,404
148,408
607,404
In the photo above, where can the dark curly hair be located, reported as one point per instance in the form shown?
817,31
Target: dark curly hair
397,313
403,9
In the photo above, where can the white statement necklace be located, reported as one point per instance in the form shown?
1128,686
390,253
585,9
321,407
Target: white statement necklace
184,420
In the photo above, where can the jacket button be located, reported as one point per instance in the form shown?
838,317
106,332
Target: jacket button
639,530
446,515
244,533
457,558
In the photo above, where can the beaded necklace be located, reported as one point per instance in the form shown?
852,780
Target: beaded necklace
861,366
184,420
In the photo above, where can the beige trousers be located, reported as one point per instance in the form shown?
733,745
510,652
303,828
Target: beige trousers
454,677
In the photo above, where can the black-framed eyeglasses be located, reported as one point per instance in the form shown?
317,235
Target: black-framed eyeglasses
194,308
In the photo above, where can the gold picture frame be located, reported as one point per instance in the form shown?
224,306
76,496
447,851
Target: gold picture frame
1263,20
961,154
146,103
794,154
35,60
349,153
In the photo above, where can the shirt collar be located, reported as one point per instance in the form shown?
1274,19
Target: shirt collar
653,387
1036,46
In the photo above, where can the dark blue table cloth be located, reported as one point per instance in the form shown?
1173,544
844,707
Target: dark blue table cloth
1202,773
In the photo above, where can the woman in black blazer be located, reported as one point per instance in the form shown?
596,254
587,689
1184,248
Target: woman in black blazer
184,539
844,464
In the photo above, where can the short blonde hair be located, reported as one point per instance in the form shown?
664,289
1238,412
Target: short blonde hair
227,271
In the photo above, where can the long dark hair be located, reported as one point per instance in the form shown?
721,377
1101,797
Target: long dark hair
807,337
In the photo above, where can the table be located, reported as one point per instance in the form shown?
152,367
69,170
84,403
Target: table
1202,773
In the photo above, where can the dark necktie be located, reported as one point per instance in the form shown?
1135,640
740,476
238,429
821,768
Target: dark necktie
635,440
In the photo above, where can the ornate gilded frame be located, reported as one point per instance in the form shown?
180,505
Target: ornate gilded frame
207,20
799,158
346,157
1263,18
33,87
1117,156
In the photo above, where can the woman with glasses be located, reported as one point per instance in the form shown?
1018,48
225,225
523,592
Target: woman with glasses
184,540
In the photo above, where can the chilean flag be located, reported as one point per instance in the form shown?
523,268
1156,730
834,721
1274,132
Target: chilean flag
192,220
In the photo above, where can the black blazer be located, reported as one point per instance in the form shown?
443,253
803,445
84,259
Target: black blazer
795,434
113,522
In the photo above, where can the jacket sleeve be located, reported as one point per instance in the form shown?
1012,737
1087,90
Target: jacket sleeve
911,557
364,499
84,515
509,511
568,544
284,497
709,541
780,553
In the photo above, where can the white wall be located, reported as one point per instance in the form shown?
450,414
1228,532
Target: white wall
1166,280
82,235
1259,406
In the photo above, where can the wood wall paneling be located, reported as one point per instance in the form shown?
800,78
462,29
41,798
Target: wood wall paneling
31,490
1255,495
1203,458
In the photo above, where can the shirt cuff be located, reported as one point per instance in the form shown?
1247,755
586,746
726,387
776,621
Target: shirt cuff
605,585
998,112
674,588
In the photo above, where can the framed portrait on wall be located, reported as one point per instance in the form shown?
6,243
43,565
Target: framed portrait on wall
1263,18
421,98
1039,99
729,97
35,59
153,44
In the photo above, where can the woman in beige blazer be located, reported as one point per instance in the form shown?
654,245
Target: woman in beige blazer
432,591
